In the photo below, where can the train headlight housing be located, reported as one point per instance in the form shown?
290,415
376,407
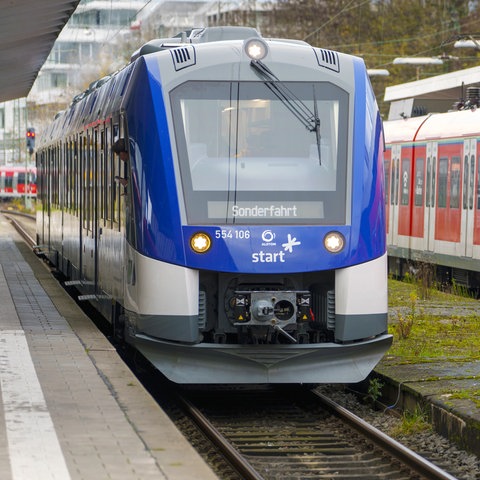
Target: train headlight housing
256,48
334,242
200,242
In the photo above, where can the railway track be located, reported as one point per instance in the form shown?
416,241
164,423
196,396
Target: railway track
23,223
292,433
287,433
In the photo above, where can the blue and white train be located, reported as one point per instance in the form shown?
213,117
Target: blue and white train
220,200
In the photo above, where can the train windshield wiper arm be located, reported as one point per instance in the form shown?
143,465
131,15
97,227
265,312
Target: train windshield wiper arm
310,120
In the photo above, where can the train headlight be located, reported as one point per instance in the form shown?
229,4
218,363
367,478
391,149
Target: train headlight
334,242
200,242
256,48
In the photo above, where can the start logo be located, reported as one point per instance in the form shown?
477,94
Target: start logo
274,257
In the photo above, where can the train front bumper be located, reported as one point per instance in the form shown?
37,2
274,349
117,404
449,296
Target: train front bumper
241,364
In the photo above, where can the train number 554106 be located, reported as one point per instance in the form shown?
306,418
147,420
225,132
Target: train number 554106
239,234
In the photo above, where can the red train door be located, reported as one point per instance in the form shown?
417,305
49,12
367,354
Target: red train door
476,225
466,237
405,194
430,196
448,213
417,197
387,172
394,187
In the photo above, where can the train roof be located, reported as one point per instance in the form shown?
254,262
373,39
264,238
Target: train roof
455,124
403,130
107,94
204,35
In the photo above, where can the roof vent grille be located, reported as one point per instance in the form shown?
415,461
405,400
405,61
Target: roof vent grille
183,57
328,59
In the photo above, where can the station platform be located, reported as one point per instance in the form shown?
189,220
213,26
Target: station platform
429,386
70,409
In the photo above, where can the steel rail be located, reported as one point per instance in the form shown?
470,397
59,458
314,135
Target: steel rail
237,460
417,463
19,227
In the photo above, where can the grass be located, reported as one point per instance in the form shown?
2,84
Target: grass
472,394
412,423
444,326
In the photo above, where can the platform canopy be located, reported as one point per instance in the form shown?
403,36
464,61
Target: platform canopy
448,86
28,30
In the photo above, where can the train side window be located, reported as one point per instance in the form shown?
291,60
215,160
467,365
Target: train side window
56,176
83,185
419,181
94,180
465,182
392,184
434,165
478,183
472,182
71,174
428,191
109,187
455,183
442,182
101,178
66,181
116,173
77,178
405,181
64,176
386,169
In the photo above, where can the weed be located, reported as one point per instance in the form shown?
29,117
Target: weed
404,325
374,391
405,322
461,290
412,423
425,276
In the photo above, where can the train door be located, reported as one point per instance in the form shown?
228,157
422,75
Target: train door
476,225
394,183
81,201
100,202
15,182
43,214
448,208
48,197
110,215
89,218
94,194
466,236
430,196
387,172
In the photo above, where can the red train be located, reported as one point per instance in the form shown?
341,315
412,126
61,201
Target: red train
432,171
16,181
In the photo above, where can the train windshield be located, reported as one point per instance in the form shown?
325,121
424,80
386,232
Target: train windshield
247,158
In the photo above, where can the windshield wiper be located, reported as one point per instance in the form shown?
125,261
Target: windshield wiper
310,120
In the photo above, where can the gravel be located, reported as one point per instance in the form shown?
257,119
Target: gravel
427,443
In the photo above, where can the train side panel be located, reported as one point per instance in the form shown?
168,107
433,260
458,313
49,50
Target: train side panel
18,182
439,223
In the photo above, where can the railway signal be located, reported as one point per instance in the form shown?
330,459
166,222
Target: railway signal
30,140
